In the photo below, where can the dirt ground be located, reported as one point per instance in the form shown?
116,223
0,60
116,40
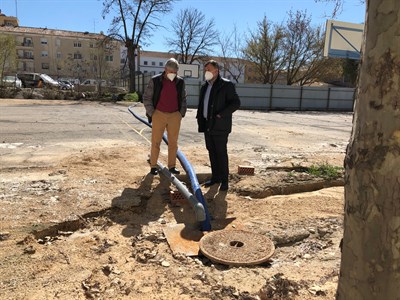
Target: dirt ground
89,227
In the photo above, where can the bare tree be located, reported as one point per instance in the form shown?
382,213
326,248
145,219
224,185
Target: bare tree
101,59
194,36
303,47
338,6
232,56
97,64
264,50
133,23
76,68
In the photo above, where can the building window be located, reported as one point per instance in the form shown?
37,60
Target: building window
58,54
161,64
43,41
77,56
28,54
45,66
27,42
109,58
45,53
93,57
153,63
91,45
77,44
58,42
145,63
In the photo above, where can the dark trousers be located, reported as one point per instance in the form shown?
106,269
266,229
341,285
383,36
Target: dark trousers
218,153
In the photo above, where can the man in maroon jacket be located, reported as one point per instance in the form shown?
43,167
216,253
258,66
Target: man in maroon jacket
165,102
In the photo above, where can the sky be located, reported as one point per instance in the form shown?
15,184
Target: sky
86,15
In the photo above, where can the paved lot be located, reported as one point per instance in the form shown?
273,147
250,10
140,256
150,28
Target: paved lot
39,131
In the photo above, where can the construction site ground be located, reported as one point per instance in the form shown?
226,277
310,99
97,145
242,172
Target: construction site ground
81,218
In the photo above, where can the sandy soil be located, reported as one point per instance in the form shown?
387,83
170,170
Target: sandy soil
107,239
92,226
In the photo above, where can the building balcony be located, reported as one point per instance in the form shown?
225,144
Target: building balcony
25,57
27,44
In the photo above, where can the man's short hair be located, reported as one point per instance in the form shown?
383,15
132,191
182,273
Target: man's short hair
213,63
172,64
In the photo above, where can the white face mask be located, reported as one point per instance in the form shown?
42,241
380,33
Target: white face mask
171,76
208,75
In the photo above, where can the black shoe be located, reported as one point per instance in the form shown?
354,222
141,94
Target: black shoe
154,171
224,186
174,171
210,182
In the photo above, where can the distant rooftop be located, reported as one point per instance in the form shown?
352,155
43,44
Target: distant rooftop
11,24
8,20
46,31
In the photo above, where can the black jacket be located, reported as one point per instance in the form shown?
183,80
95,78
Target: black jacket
223,101
152,93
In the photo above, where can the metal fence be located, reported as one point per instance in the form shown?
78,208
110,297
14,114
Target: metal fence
277,97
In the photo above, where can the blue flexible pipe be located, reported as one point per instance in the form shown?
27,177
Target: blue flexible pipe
205,224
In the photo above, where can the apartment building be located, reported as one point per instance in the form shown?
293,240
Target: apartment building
7,20
85,55
62,53
152,63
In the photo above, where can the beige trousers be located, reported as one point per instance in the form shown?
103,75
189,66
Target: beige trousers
161,121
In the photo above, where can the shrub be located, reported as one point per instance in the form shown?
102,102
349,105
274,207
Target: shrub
52,94
325,171
6,92
27,93
133,97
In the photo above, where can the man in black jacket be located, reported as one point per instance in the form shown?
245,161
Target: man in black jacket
218,100
165,103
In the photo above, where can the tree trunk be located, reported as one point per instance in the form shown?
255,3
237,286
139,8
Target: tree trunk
132,65
370,264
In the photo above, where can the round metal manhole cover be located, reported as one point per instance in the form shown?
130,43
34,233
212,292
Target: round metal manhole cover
236,247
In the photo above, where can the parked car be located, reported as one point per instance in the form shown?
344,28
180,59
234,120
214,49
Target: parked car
65,85
94,82
12,80
73,81
48,81
37,80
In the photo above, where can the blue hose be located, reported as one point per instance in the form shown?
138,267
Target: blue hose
206,224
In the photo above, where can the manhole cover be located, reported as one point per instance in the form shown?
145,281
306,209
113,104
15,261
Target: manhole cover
236,247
